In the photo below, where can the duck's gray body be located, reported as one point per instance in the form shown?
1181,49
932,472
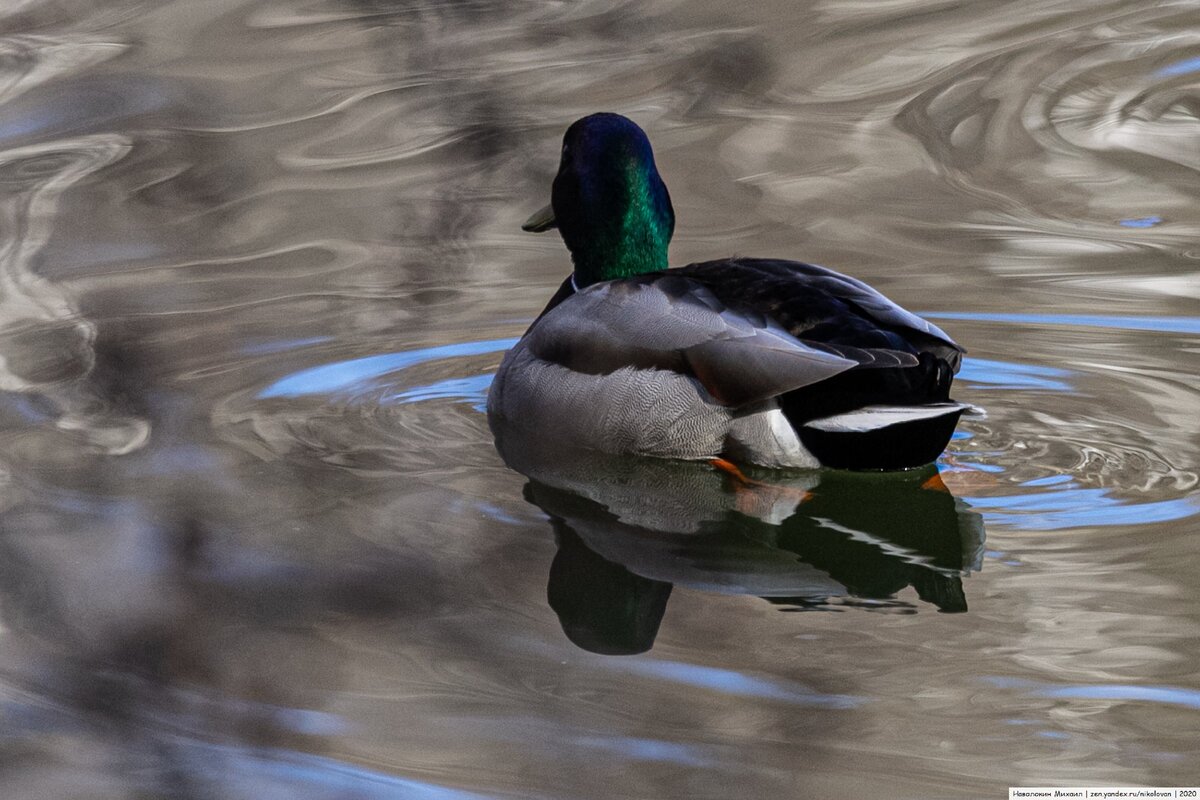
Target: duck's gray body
717,360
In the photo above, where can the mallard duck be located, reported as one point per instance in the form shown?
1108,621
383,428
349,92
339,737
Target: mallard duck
746,360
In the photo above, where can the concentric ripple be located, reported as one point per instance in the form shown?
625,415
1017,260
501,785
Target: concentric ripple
387,413
1052,143
1088,462
1109,453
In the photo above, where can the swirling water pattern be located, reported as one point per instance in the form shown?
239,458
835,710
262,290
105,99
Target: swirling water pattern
258,263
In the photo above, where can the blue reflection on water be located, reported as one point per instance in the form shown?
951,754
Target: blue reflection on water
1078,508
1170,695
304,721
729,681
471,390
1162,324
977,466
1049,480
357,373
274,773
498,514
647,750
1141,222
1180,68
1007,375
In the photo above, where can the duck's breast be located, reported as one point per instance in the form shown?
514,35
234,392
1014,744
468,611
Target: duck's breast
643,411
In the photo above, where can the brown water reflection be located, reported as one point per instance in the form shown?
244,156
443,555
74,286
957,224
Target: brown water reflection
259,260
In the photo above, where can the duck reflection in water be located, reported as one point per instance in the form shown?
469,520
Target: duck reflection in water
629,530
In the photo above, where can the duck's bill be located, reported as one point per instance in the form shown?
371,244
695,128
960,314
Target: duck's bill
542,220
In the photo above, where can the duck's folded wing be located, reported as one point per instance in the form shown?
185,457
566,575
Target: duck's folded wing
869,302
669,322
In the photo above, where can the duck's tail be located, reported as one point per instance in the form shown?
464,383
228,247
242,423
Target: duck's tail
880,437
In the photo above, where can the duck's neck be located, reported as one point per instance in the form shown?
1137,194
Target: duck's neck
616,224
631,242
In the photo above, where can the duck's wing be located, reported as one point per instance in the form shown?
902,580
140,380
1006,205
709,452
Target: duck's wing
670,322
826,309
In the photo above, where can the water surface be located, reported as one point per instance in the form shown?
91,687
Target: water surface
258,262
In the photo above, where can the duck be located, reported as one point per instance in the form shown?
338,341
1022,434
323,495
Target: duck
758,362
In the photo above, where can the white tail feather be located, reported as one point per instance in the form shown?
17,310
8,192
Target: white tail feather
871,418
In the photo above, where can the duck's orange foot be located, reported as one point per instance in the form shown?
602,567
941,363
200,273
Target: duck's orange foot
729,468
936,484
749,489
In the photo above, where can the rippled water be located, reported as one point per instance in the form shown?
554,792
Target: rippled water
258,261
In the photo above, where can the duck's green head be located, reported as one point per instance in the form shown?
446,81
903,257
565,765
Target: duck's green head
608,201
